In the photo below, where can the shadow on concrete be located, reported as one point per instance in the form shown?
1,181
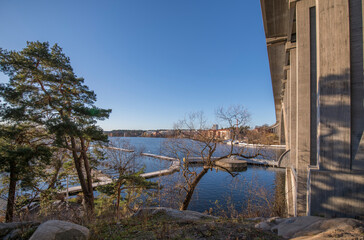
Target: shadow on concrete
337,186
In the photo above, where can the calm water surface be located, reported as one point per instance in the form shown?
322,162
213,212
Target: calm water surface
217,187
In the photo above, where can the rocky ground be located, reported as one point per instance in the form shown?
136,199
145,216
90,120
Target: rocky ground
165,223
310,228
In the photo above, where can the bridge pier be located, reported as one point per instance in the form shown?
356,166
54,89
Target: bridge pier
318,89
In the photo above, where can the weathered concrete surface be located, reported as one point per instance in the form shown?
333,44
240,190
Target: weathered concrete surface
275,16
60,230
276,55
303,101
293,103
309,227
357,83
334,84
337,194
291,192
320,108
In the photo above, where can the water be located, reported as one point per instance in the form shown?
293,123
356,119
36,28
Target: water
145,145
217,187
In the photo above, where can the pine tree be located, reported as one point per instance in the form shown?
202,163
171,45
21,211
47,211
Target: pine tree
43,89
22,149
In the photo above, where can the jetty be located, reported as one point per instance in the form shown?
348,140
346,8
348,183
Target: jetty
235,164
159,157
232,164
249,161
103,179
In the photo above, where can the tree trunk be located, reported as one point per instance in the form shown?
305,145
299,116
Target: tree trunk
52,184
89,203
90,197
189,194
11,195
118,199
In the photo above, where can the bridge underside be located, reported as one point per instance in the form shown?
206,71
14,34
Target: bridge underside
315,51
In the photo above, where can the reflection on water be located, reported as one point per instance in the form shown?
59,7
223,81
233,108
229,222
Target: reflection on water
257,185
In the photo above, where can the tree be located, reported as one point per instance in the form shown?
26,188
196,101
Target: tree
122,159
43,89
235,117
203,145
23,151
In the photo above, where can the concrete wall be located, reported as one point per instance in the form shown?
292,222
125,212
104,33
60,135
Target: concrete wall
293,104
291,192
357,84
333,56
337,194
303,101
320,106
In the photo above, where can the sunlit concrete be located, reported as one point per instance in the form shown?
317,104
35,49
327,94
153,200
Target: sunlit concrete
315,51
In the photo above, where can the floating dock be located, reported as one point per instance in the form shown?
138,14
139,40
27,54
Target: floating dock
103,179
249,161
232,164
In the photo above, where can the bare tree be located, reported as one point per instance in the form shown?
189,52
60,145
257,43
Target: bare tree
197,143
121,157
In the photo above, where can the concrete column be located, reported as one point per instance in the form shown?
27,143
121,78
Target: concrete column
337,190
288,110
293,104
303,101
357,84
285,118
333,71
282,125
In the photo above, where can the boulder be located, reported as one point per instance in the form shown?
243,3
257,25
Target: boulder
7,228
60,230
289,227
15,234
336,228
174,214
310,227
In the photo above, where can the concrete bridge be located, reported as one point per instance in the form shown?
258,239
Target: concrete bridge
315,51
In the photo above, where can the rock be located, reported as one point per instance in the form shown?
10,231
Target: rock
173,214
60,230
291,226
343,228
256,219
15,234
266,226
309,227
269,223
6,228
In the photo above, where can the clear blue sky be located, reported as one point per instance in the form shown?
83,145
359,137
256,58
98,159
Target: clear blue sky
153,61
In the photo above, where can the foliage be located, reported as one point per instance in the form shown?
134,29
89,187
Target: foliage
23,155
43,89
128,186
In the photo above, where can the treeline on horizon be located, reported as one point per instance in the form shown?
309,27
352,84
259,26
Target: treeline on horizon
140,133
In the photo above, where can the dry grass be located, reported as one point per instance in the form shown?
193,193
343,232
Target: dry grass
158,227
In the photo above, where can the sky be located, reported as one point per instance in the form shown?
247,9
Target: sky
154,61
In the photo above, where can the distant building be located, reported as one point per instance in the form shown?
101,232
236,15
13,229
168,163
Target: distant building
215,127
222,134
